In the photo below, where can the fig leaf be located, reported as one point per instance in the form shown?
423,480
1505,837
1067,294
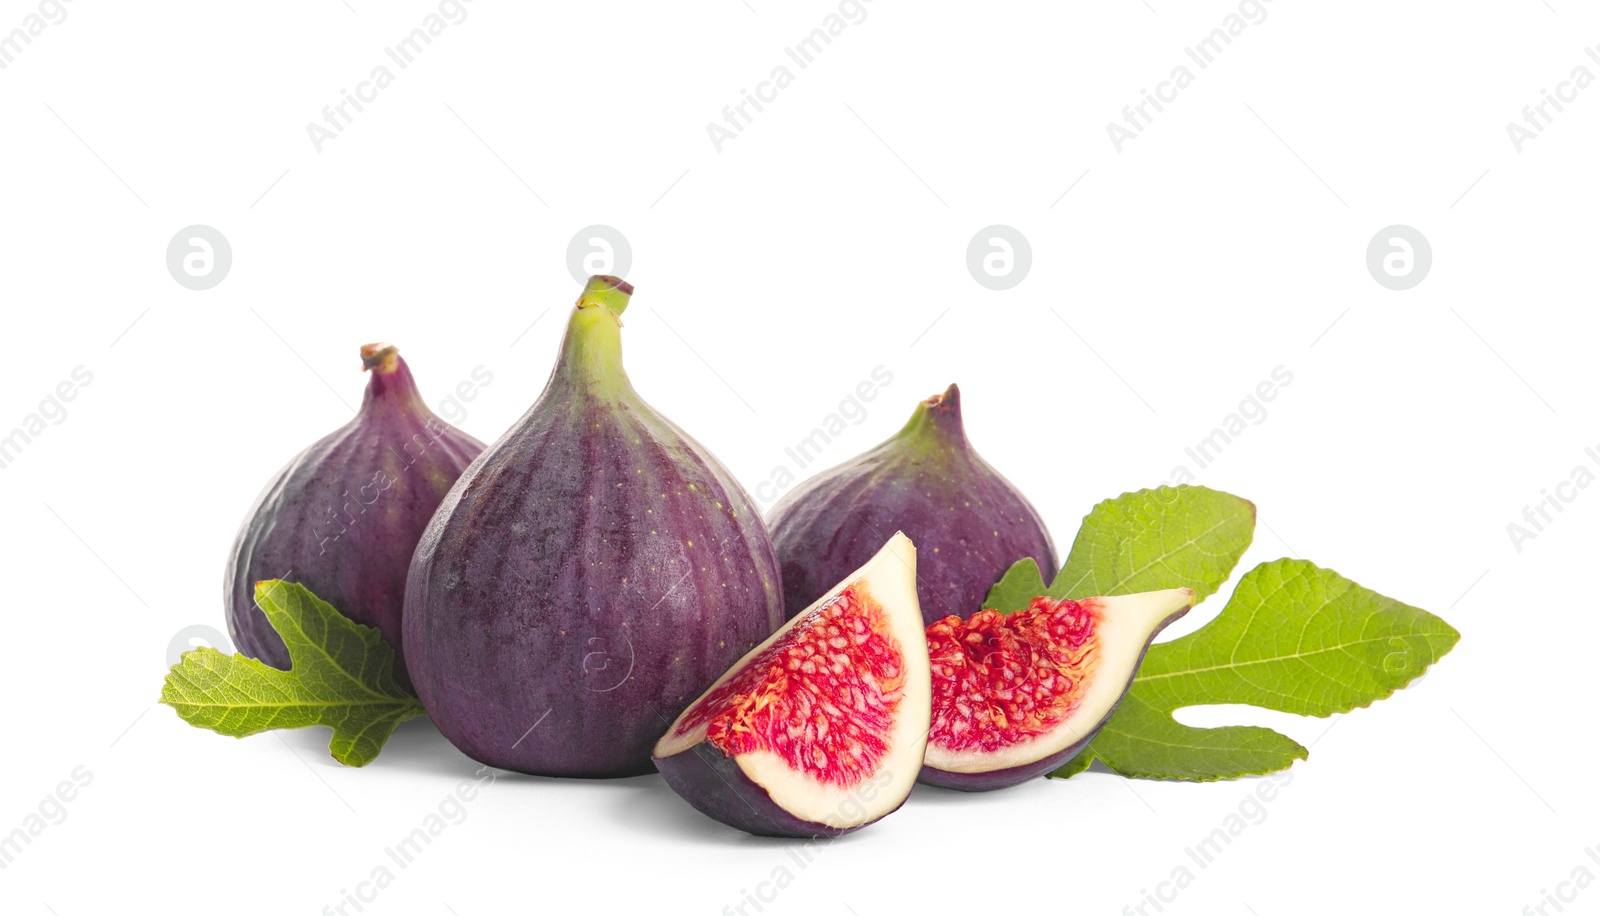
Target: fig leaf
1139,542
1020,585
342,676
1293,637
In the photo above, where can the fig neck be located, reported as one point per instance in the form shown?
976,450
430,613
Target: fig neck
391,386
935,428
591,353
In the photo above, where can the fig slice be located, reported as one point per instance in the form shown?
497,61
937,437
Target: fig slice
1017,695
821,729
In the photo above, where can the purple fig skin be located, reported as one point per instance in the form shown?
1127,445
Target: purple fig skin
344,516
715,785
1017,775
589,576
969,523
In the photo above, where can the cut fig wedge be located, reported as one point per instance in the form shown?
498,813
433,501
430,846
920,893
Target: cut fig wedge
821,729
1017,695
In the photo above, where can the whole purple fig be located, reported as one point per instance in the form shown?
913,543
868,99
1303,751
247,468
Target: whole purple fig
344,516
968,522
588,577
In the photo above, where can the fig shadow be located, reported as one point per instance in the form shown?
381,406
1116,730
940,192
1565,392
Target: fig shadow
926,796
416,746
647,804
638,803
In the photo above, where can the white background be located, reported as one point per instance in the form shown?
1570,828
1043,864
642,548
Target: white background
1227,240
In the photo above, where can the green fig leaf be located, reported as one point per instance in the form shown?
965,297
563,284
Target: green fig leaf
342,676
1074,766
1143,741
1168,537
1138,542
1020,585
1294,637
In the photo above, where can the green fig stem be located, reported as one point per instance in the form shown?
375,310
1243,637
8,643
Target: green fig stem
591,354
604,289
936,423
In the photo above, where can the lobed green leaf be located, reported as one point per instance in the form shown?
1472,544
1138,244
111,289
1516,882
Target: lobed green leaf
1293,637
342,676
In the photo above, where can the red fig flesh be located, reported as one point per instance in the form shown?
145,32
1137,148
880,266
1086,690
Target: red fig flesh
1017,695
587,577
343,517
820,730
968,521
